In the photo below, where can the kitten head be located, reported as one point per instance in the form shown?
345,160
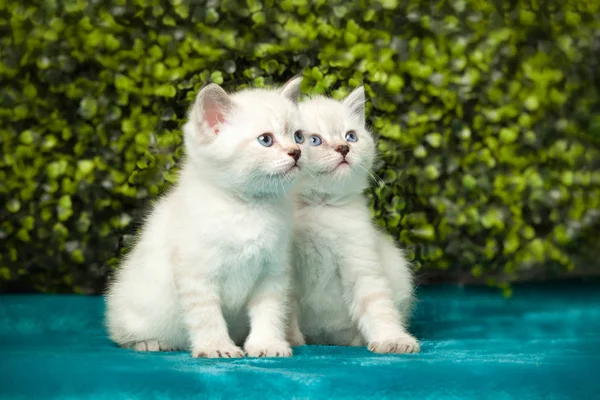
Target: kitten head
338,149
246,141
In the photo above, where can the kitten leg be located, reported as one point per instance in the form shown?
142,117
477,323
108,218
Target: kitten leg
267,311
370,299
294,335
202,314
399,273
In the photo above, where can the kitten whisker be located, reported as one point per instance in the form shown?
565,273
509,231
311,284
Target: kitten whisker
376,178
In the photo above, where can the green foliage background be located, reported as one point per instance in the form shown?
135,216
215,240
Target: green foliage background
488,112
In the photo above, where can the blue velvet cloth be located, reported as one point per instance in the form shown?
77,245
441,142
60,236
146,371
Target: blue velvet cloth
543,343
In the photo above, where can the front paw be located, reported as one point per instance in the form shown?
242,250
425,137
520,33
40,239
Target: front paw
273,348
218,351
399,345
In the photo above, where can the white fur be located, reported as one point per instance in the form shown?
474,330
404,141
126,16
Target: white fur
211,269
353,285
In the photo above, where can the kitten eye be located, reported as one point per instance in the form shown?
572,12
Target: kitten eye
298,137
351,136
266,139
315,140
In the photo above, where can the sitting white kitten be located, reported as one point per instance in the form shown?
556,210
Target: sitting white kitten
211,267
353,285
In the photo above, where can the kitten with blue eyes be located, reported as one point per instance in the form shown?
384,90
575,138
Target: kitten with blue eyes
211,269
353,286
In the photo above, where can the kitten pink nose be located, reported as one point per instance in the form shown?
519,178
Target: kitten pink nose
343,149
295,154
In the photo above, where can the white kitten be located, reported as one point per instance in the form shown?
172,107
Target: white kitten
353,285
211,267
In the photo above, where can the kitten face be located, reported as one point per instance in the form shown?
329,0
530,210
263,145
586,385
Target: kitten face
338,149
245,141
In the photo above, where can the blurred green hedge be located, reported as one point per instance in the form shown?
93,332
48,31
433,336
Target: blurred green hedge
488,112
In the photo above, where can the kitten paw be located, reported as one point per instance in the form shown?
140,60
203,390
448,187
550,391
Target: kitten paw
268,349
149,345
399,345
222,351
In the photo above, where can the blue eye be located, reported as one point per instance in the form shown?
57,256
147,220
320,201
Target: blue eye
315,140
266,139
351,136
298,137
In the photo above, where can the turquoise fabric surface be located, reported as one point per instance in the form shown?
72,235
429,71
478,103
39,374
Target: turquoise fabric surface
543,343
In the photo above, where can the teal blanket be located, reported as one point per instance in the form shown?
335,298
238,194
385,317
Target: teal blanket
543,343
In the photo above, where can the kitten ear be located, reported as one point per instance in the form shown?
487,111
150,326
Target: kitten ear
212,106
356,102
291,89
